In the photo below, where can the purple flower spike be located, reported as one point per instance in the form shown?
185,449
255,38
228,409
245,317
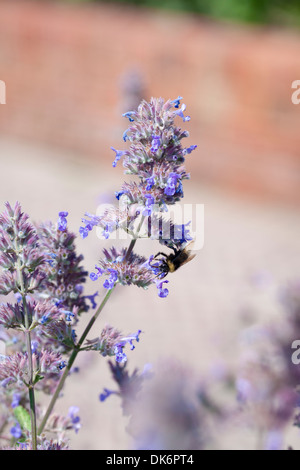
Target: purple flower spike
155,156
154,152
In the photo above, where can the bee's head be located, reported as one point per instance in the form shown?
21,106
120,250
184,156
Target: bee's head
160,267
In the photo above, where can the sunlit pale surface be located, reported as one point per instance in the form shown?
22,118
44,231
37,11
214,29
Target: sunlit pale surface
250,250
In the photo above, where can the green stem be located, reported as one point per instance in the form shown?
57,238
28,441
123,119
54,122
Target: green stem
30,383
133,241
23,293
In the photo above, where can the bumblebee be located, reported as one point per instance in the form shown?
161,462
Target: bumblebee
173,261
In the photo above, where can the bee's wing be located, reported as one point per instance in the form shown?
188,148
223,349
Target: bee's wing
189,249
188,259
189,246
187,253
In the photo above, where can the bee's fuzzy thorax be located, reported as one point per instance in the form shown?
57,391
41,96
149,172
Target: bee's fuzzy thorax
171,266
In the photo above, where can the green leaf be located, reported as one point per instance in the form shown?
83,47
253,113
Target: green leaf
23,417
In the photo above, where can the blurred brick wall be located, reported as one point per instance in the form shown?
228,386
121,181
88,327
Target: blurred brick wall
62,66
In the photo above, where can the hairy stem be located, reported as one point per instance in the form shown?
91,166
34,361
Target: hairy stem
29,354
133,241
30,384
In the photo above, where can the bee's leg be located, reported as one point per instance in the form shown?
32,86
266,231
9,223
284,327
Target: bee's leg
153,265
162,275
160,253
161,260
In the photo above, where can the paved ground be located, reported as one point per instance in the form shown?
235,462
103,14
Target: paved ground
201,319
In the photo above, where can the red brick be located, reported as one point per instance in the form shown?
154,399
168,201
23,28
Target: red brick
62,65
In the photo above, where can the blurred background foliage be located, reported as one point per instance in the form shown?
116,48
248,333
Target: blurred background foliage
268,12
